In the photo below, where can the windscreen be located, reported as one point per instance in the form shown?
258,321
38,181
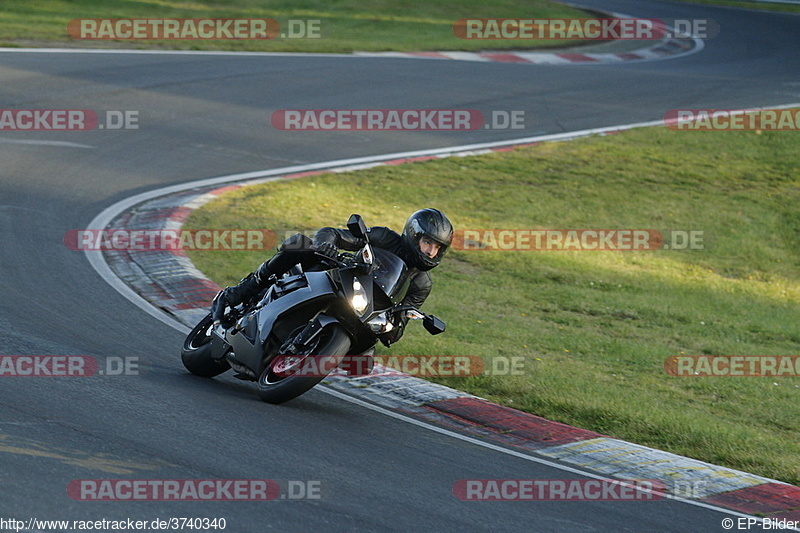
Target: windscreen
390,274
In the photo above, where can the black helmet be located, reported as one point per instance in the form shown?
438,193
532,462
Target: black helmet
430,223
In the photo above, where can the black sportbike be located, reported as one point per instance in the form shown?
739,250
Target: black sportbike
307,324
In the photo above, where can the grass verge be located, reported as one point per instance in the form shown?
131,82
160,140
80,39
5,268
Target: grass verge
596,327
744,4
344,26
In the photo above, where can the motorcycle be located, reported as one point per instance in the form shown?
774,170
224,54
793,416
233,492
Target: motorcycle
308,323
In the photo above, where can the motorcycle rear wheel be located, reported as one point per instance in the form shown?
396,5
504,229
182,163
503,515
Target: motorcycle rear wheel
196,352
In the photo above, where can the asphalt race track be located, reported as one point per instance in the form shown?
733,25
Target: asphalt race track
201,116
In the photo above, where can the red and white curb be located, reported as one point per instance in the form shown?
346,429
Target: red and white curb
169,282
669,49
666,48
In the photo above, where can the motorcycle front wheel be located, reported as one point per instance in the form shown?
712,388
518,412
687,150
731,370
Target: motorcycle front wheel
287,377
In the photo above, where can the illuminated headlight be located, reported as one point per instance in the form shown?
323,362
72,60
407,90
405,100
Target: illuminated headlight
359,300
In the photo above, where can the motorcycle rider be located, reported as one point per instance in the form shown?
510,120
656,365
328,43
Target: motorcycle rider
426,237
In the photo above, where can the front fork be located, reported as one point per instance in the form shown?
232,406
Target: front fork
297,344
354,365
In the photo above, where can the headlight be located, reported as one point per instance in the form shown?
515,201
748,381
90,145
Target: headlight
360,302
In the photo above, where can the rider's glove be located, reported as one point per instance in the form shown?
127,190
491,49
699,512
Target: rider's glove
326,248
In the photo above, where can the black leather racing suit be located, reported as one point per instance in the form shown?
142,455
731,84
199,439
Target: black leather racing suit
298,249
381,237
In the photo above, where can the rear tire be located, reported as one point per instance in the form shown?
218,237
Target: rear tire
196,352
333,345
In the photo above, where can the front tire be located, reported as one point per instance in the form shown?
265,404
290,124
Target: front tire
276,387
196,352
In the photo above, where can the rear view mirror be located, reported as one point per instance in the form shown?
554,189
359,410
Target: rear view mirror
433,325
357,227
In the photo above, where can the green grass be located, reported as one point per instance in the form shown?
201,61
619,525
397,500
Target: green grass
595,327
345,25
789,8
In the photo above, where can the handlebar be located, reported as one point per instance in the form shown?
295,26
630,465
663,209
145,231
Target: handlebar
335,261
344,259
